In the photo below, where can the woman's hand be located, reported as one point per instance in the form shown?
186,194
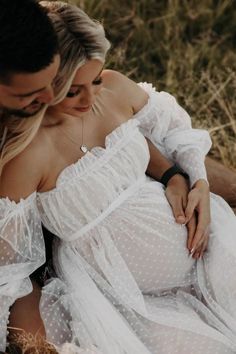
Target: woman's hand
177,192
192,208
198,203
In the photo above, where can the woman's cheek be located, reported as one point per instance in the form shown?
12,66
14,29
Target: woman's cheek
65,104
98,89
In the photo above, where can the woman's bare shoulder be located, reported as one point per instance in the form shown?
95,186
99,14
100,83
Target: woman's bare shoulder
126,89
22,175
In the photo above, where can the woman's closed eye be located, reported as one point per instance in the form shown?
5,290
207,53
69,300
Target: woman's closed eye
97,81
75,91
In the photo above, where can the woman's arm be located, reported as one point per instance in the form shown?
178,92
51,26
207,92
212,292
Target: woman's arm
21,239
168,127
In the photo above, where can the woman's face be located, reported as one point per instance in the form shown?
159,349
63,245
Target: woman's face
86,85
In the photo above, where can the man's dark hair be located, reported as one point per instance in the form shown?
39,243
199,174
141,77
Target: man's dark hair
28,42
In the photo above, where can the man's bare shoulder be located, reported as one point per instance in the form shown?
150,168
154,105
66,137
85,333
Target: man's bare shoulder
126,89
22,175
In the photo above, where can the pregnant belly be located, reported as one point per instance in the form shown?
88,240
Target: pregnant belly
152,244
148,239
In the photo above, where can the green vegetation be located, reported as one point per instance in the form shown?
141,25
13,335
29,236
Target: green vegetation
187,48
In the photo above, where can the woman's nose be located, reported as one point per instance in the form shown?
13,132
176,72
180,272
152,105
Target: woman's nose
88,97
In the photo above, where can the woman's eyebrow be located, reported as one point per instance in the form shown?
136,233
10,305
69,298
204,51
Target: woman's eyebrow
74,85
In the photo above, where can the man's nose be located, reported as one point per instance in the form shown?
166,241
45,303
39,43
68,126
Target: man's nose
46,96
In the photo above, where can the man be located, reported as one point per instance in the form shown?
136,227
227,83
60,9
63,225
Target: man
29,62
29,58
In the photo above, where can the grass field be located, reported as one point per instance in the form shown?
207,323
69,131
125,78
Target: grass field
187,48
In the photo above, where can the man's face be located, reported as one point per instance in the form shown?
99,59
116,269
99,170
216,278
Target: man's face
27,93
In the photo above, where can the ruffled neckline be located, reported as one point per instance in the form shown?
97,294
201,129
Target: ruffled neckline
113,141
95,157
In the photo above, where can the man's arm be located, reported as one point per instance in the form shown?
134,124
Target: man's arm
222,181
177,188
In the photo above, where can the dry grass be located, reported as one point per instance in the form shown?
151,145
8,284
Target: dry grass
184,47
26,343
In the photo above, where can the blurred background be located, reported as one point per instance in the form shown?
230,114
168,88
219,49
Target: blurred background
187,48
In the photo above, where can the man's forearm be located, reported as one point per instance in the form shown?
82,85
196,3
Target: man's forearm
222,180
158,164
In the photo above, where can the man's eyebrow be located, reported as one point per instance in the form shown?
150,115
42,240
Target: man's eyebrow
29,93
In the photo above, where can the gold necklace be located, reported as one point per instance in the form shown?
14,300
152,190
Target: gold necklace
83,147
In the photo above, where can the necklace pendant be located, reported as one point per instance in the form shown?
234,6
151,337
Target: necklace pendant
84,148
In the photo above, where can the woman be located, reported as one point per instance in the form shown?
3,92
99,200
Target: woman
126,283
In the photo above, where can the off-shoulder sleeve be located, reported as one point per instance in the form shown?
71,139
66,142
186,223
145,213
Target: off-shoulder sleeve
168,126
21,252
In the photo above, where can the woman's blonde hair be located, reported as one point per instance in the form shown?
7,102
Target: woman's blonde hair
16,134
80,39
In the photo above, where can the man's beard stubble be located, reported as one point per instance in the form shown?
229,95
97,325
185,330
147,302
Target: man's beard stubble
21,113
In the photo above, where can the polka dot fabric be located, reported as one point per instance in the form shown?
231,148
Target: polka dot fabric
168,126
21,252
126,283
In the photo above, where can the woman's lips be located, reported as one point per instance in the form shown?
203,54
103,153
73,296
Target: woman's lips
83,109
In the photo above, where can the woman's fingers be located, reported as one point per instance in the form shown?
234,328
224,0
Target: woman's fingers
198,253
200,248
202,230
191,227
198,202
192,204
204,246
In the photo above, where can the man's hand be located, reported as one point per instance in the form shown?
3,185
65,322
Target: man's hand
177,191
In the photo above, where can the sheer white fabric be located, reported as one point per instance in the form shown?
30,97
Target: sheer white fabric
69,348
126,283
168,126
121,259
21,252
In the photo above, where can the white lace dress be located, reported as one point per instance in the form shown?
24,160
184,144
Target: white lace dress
126,283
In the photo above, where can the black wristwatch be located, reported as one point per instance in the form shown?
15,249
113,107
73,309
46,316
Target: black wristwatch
173,170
